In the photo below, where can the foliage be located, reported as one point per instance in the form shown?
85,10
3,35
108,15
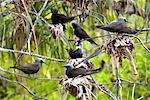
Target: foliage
17,24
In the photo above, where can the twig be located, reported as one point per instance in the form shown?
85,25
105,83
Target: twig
43,19
139,40
120,90
36,78
131,61
118,81
35,23
40,12
29,39
102,16
133,90
95,37
33,28
138,83
106,91
95,3
142,97
144,43
19,83
32,54
90,91
96,18
96,52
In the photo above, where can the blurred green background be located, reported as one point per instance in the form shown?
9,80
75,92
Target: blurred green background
16,26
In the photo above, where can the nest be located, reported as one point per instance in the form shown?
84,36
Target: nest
56,30
76,63
128,7
123,6
79,87
120,47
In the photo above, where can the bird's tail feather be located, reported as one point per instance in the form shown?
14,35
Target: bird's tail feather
92,41
71,18
99,26
95,70
12,67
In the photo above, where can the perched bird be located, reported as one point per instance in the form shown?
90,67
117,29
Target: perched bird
119,26
71,73
30,68
75,53
81,34
60,18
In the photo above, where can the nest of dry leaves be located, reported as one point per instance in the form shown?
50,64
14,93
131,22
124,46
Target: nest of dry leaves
80,87
120,47
56,30
124,6
83,88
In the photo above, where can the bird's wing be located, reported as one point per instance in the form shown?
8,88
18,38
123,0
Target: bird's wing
126,29
60,18
78,51
29,66
28,70
115,25
83,34
78,71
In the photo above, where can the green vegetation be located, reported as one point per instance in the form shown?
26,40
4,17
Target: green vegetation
18,22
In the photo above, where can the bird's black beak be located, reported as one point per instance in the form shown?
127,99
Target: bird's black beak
67,66
127,21
44,62
67,49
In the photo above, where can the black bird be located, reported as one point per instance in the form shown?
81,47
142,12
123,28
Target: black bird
60,18
119,26
30,68
81,34
71,73
75,53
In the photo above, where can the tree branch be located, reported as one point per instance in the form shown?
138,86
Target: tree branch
24,76
31,54
21,84
139,41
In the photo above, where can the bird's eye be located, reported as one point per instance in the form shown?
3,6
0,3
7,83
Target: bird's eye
125,20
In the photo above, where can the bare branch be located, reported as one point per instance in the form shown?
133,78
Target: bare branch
106,91
133,90
43,19
37,17
21,84
24,76
96,52
31,54
40,12
30,20
139,41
